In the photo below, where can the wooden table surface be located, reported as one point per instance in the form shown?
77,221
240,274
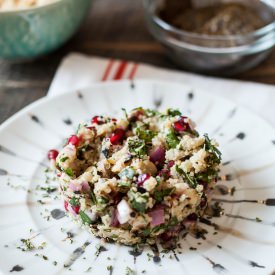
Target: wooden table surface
110,30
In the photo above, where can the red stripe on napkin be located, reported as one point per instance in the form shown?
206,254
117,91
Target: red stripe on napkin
107,70
133,71
120,70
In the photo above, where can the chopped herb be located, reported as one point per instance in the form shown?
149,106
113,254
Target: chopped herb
129,271
173,112
146,232
258,219
63,159
125,113
212,149
150,112
207,176
146,135
160,194
74,201
143,271
139,206
27,245
102,200
171,139
93,197
137,147
190,180
88,269
110,268
42,245
54,262
84,217
192,248
45,258
69,172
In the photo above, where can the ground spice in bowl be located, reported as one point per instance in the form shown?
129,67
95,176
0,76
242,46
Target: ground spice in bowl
219,19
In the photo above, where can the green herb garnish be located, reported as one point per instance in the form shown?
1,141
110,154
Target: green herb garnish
190,180
171,139
160,194
84,217
212,149
74,201
63,159
146,135
137,147
69,172
173,112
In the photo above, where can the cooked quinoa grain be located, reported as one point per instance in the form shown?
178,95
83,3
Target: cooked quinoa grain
139,179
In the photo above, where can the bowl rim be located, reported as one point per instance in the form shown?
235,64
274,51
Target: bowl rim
259,32
168,27
34,8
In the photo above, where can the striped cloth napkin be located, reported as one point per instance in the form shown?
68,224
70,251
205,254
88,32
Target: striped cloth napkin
78,71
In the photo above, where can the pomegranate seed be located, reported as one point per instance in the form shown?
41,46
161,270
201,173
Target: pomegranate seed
181,125
114,119
52,154
97,120
76,209
74,140
66,204
192,217
171,163
117,136
142,178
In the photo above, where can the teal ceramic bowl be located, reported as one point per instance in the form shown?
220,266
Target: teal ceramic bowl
29,33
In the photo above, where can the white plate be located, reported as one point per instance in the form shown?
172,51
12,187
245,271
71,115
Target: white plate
244,245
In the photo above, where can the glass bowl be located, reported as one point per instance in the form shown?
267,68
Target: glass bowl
29,33
213,54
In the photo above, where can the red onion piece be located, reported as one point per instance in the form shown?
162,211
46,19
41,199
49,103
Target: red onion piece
157,155
85,186
75,186
114,220
157,216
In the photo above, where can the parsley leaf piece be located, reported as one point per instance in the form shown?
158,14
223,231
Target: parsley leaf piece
137,147
171,139
125,113
93,198
190,180
212,149
63,159
160,194
69,172
146,135
173,112
84,217
74,201
139,206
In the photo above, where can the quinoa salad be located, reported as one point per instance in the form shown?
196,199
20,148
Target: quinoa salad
141,179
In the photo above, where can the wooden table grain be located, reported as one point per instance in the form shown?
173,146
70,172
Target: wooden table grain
112,29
